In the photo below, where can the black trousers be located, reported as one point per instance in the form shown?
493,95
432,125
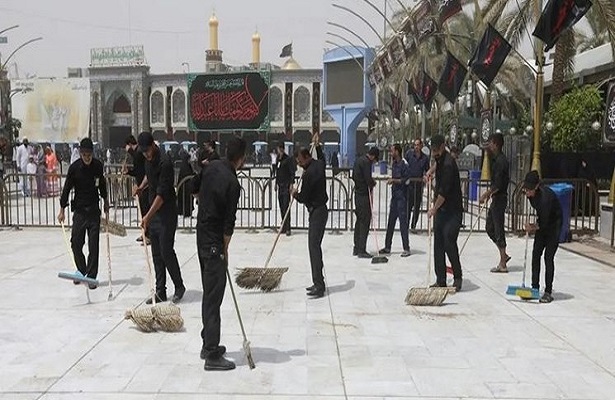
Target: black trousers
363,212
82,223
546,242
213,277
162,237
415,200
495,221
316,231
397,210
284,201
446,231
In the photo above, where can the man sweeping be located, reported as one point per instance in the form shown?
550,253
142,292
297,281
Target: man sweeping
86,177
138,172
399,204
161,219
447,211
313,195
218,198
498,193
547,231
284,179
363,187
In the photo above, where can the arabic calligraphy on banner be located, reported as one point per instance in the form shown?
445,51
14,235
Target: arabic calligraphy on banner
229,101
124,56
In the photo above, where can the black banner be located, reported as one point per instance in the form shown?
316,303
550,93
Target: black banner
609,117
485,125
452,78
315,107
428,91
448,8
288,110
489,55
558,16
413,91
228,101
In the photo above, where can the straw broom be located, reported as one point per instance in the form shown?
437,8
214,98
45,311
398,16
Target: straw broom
114,227
165,317
246,343
427,296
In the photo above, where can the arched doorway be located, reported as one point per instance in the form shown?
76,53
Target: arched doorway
120,114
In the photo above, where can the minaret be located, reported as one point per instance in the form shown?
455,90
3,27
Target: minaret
256,49
213,56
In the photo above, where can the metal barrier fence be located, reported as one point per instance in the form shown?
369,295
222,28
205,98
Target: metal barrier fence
259,206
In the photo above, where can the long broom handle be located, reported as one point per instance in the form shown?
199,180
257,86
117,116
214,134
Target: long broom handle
275,242
149,266
371,219
109,258
480,210
230,283
429,233
68,249
527,241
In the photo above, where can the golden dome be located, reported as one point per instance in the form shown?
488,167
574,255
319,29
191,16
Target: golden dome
291,64
213,20
256,36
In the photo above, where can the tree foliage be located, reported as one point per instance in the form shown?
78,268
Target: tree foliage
572,116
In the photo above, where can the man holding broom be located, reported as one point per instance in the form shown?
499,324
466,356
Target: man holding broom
547,230
313,195
86,176
161,217
138,172
218,198
363,187
447,211
284,179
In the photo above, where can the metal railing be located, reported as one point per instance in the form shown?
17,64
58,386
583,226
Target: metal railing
259,207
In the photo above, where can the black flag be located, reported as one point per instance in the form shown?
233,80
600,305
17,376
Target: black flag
489,55
452,78
558,16
413,91
428,90
287,51
448,8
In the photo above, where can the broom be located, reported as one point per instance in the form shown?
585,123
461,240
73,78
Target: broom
449,269
165,317
377,259
266,279
76,276
246,343
524,292
427,296
114,227
110,297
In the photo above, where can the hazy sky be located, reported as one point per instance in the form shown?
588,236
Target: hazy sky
173,31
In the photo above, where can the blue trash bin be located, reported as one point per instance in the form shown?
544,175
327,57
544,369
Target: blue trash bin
383,167
563,191
474,179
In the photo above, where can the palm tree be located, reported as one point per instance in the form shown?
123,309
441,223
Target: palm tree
598,35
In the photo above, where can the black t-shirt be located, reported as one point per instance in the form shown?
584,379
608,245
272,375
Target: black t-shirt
88,182
362,176
548,209
500,175
161,182
448,183
138,165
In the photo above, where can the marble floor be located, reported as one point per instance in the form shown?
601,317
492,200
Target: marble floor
359,342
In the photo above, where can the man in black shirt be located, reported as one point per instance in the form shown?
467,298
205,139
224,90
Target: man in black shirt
161,219
363,186
418,165
208,153
547,229
448,210
218,198
86,176
284,179
498,190
138,172
313,195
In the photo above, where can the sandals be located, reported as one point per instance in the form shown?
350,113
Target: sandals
500,270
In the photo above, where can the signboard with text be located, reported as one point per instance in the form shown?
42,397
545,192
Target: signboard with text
124,56
229,101
609,118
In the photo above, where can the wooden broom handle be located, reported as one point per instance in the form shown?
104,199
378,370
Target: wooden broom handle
149,266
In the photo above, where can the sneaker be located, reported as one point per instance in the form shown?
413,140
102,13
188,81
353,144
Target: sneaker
457,284
413,231
355,252
287,233
179,293
218,364
92,286
160,297
406,253
546,298
140,239
384,251
205,353
364,255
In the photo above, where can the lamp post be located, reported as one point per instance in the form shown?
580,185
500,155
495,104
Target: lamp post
540,60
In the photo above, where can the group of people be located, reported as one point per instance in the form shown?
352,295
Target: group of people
43,167
408,177
218,191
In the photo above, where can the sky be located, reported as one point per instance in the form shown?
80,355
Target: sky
174,31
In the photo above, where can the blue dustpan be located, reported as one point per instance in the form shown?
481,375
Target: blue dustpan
77,276
526,293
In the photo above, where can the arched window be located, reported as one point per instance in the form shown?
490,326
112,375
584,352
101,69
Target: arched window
276,104
326,117
302,104
157,107
179,106
121,105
